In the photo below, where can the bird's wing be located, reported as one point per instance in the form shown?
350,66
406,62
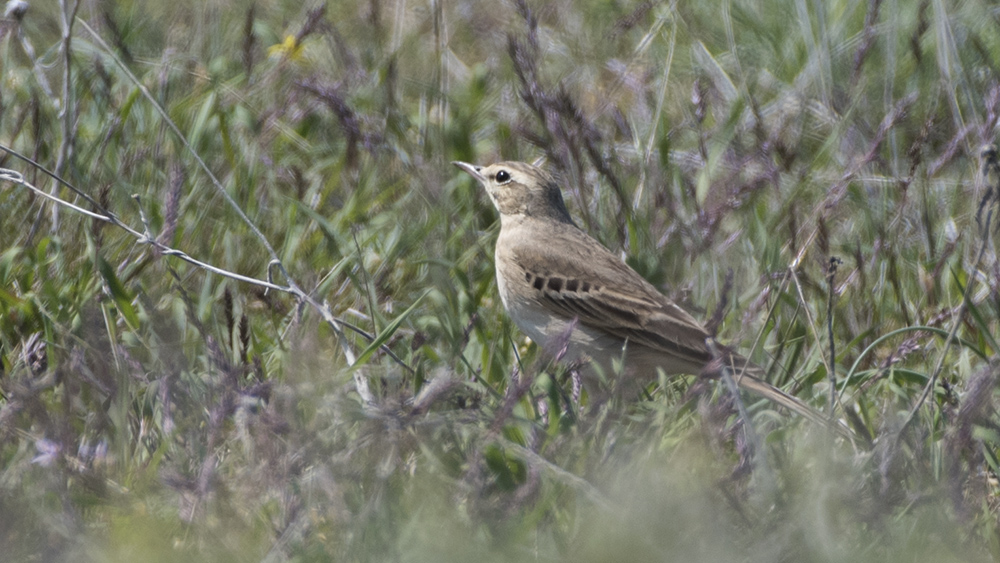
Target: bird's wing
590,283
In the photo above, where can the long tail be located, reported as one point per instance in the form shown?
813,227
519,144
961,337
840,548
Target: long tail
747,376
764,389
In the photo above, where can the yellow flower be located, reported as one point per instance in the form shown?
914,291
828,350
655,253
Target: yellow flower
290,48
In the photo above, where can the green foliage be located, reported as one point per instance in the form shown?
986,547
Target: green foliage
152,410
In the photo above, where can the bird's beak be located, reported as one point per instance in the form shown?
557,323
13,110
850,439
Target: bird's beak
472,169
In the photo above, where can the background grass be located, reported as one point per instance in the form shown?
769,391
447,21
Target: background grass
151,410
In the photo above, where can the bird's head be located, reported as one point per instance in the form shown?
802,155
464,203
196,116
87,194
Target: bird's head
518,188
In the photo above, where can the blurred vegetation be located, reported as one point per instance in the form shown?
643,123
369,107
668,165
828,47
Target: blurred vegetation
152,410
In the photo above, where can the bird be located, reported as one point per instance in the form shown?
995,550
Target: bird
565,289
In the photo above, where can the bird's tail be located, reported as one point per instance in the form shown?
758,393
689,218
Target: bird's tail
747,376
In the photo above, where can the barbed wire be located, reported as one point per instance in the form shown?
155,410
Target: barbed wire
146,237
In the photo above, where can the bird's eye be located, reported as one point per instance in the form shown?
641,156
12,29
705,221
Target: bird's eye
503,177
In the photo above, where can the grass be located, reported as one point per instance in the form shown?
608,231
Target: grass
152,409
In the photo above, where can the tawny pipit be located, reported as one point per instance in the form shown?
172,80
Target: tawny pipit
552,277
